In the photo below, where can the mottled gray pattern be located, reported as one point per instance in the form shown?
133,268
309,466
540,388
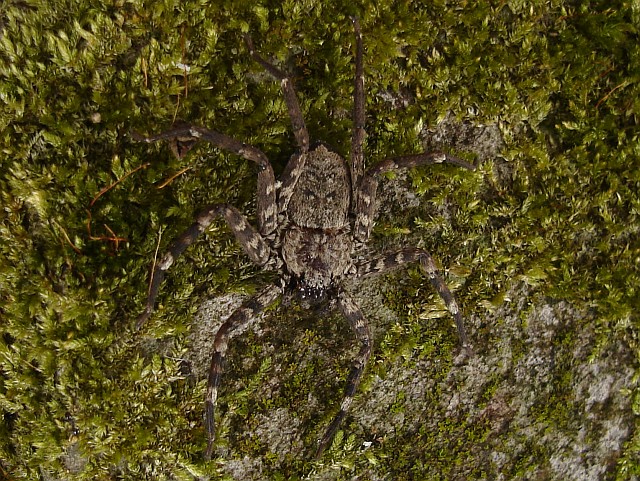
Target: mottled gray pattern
323,192
313,222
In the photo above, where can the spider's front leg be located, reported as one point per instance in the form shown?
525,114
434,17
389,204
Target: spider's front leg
358,134
408,255
364,184
187,134
251,241
295,113
295,166
365,207
359,325
242,316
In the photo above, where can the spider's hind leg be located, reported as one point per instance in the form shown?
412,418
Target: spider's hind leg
359,325
246,313
397,259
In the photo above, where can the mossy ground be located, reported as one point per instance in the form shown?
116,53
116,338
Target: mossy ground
540,244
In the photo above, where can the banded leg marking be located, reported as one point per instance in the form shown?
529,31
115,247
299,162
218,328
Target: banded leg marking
245,314
406,256
252,242
289,178
266,191
295,166
359,325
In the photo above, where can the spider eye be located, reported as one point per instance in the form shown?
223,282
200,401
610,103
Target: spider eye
313,294
309,293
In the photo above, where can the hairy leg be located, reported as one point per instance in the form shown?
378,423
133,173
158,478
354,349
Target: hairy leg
358,134
245,314
359,325
405,256
294,167
186,134
365,207
252,243
297,121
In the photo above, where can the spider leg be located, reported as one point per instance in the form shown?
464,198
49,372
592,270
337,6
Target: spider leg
365,205
358,134
295,166
242,316
185,134
297,121
359,325
393,260
251,241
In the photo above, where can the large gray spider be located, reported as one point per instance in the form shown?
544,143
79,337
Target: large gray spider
311,224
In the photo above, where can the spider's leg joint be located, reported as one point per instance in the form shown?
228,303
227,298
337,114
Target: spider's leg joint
346,403
249,42
270,188
221,344
429,266
205,218
254,242
270,211
350,270
166,261
363,221
453,307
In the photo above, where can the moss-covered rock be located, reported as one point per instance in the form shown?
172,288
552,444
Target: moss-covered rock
540,244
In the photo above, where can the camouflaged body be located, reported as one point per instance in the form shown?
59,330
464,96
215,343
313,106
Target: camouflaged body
309,222
317,243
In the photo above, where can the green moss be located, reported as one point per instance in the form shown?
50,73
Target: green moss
551,215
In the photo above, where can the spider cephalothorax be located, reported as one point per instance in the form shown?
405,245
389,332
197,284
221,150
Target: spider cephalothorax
310,225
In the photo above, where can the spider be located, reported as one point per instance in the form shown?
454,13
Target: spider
311,223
